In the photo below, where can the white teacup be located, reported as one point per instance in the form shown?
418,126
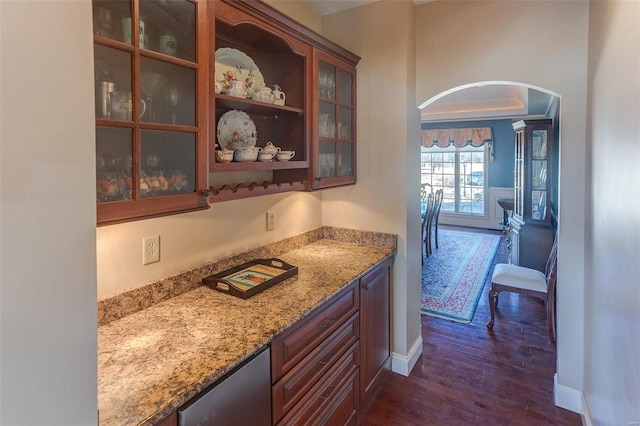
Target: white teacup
224,155
285,155
266,155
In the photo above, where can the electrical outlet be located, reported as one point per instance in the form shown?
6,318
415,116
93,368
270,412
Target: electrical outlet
271,220
151,249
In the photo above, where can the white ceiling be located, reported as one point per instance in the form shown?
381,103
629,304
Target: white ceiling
485,101
489,101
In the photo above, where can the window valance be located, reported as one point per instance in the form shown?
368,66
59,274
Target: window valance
475,136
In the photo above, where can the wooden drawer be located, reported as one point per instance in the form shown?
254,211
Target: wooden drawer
291,347
334,400
292,387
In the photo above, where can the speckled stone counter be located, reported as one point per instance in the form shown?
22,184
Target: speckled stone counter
156,359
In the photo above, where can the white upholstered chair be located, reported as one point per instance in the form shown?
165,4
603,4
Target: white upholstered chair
527,281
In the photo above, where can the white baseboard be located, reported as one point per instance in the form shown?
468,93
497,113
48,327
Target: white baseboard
586,416
568,398
402,364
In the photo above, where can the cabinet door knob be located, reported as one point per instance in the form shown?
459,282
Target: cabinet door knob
206,192
318,179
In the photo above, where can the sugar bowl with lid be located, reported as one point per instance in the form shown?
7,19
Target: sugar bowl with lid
271,148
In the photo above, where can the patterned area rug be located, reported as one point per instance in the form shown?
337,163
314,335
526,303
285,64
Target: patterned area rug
454,275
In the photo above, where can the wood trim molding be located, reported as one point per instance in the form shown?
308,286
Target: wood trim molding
276,18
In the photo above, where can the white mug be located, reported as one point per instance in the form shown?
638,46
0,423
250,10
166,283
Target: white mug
121,106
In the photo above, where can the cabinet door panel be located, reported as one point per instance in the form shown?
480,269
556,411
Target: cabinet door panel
345,87
167,163
112,69
110,17
168,92
169,28
334,111
345,159
150,66
114,170
375,330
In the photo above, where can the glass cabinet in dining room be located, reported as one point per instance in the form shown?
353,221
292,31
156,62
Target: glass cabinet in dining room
149,66
334,156
533,220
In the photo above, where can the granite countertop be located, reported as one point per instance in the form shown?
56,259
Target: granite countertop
153,361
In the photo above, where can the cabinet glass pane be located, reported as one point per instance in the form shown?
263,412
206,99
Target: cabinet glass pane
168,93
539,139
539,174
538,205
327,83
112,76
345,159
110,19
345,85
327,159
113,164
169,27
167,163
344,123
327,121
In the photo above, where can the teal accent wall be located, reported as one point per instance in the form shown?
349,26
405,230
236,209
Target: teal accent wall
501,168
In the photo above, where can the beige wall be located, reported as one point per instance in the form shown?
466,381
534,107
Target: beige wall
300,12
193,239
612,363
382,34
543,44
48,354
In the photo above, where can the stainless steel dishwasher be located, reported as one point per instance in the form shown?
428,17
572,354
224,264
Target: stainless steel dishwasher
241,398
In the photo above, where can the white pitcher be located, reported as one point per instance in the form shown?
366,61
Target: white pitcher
278,95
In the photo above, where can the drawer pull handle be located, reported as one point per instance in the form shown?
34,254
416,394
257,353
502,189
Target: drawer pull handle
331,354
328,323
328,393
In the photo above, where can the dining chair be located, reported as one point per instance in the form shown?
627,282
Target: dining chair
528,282
427,217
436,217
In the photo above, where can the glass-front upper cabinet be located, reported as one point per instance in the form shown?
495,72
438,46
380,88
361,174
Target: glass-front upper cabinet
150,132
532,168
334,156
539,174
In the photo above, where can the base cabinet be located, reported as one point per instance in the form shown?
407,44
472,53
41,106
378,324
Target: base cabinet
530,245
328,368
375,331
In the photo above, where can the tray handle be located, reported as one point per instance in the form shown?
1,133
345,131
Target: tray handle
225,285
278,263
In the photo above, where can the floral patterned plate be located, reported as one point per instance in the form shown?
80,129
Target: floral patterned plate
232,64
236,130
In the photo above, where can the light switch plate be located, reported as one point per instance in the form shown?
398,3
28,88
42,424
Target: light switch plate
151,249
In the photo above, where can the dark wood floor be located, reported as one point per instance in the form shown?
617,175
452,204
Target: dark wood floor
468,375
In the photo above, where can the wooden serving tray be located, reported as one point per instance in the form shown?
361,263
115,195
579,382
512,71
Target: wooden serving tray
251,278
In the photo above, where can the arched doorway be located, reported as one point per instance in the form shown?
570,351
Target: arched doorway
491,106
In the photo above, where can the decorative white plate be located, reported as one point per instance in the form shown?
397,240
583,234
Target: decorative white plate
232,64
236,130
